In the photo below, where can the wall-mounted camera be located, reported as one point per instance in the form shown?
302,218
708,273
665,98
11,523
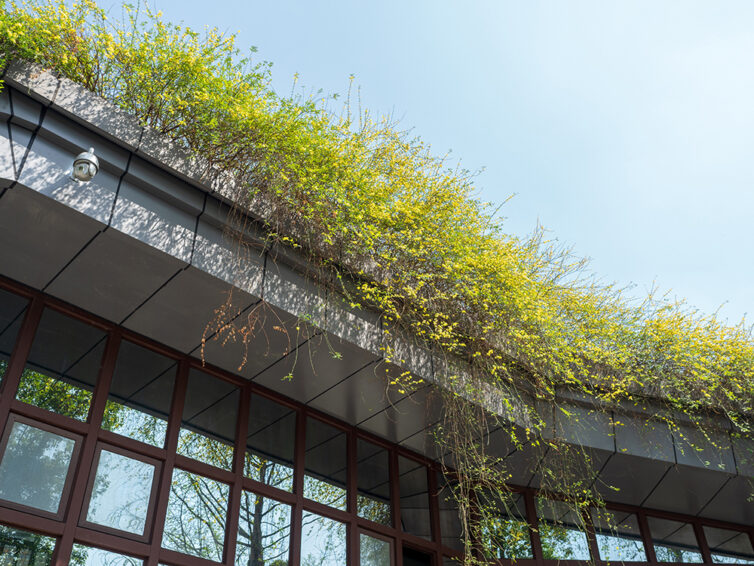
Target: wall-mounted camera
85,166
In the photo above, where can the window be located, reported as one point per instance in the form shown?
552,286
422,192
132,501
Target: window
509,536
141,394
729,547
270,443
121,492
674,541
561,531
323,541
618,536
23,547
264,531
36,465
195,520
63,366
414,492
373,473
326,464
208,426
89,556
374,551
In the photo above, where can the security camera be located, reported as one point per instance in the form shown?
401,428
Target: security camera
85,166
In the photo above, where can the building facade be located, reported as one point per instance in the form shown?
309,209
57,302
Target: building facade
130,435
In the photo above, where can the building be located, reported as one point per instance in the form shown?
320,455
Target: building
120,446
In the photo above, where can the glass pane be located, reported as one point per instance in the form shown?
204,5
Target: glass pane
140,396
729,547
450,522
325,479
12,308
264,531
373,551
674,541
373,498
618,536
121,493
560,530
208,426
508,535
19,547
89,556
34,467
63,365
414,491
195,521
270,443
323,541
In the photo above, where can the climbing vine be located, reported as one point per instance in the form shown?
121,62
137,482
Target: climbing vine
401,230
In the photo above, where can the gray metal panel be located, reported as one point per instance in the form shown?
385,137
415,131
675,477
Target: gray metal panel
743,448
114,275
33,80
39,236
7,165
362,395
167,187
182,311
75,138
160,149
629,479
103,117
407,417
638,435
355,325
290,291
146,217
734,502
686,489
47,170
319,364
216,255
408,354
26,111
566,465
704,449
587,427
270,334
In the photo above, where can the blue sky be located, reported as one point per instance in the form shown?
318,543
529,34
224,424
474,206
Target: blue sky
625,128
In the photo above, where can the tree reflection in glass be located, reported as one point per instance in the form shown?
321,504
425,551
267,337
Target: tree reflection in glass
373,476
195,520
121,493
63,366
25,548
373,551
270,443
264,531
323,541
325,464
208,424
140,396
561,531
89,556
34,467
618,536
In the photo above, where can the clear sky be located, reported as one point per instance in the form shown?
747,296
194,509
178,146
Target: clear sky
625,128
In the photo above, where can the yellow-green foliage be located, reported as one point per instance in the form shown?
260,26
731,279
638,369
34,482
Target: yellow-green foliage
370,201
363,194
